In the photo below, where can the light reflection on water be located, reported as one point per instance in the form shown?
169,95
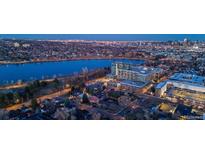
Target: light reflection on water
32,71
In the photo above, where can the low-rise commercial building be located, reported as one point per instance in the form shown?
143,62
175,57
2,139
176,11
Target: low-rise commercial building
182,81
132,72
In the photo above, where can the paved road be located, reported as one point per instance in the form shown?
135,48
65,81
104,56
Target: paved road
42,98
15,86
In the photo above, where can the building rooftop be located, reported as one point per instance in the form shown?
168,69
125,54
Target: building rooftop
136,68
161,84
190,78
133,83
143,69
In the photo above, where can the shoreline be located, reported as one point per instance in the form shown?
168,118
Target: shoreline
16,84
61,60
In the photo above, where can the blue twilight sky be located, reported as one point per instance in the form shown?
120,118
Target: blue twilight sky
117,37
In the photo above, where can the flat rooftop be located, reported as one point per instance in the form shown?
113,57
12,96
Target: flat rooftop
161,84
139,69
143,69
132,83
190,78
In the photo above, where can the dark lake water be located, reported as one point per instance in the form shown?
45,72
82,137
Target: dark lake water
14,72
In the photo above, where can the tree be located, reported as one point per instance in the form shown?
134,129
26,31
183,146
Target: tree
43,83
56,80
153,89
17,97
2,98
27,93
72,90
56,83
82,86
85,99
36,84
34,104
10,97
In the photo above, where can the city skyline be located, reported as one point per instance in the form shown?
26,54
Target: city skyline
108,37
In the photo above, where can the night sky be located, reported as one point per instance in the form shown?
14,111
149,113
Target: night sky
113,37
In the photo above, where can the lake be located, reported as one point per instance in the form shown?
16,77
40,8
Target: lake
32,71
